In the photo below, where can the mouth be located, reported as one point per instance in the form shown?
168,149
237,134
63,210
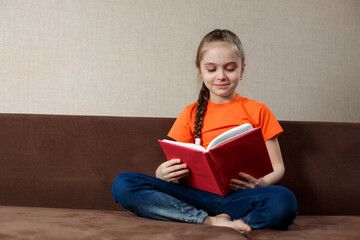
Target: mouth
221,86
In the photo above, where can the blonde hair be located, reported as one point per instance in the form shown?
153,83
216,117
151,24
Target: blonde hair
221,36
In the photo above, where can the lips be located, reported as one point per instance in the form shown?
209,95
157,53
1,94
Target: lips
222,86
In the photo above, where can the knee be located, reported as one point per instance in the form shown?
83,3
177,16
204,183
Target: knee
283,208
122,188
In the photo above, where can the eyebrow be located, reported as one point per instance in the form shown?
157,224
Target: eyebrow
229,63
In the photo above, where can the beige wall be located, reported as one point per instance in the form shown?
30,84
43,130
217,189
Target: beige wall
136,57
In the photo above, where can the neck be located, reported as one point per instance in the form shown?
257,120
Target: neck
219,99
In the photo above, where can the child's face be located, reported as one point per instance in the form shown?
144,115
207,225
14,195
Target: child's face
221,70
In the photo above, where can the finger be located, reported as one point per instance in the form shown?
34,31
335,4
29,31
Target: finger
246,176
172,162
236,187
174,168
250,179
178,177
239,182
177,174
168,176
253,182
242,184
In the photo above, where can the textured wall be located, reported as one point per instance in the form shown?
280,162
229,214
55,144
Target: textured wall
136,57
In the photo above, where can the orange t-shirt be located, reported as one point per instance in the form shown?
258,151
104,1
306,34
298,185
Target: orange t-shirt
222,117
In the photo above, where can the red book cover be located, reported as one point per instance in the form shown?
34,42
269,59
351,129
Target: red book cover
212,170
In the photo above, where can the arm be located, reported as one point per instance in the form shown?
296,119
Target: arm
277,162
273,148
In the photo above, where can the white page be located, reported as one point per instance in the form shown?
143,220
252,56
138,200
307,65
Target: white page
230,134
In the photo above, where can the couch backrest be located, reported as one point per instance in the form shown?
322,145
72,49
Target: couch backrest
322,162
71,161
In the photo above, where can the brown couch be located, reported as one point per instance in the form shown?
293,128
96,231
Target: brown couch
56,174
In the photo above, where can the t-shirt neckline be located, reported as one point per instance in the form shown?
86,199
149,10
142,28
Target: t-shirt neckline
236,98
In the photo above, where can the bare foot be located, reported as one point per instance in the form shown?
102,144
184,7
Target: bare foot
224,220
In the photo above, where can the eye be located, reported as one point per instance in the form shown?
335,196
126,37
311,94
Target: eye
211,70
231,67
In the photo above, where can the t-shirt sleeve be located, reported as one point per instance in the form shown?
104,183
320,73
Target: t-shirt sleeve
181,131
270,127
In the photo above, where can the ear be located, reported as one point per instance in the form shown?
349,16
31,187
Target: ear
199,72
242,71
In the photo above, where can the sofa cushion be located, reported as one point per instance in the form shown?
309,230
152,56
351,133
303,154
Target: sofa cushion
56,223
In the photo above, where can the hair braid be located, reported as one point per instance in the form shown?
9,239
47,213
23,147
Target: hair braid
200,110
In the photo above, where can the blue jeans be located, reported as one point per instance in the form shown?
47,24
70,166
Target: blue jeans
265,207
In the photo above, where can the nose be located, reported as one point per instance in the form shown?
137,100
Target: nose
221,75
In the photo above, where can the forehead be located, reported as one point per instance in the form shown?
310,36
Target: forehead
220,52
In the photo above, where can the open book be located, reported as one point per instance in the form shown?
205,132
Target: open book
241,149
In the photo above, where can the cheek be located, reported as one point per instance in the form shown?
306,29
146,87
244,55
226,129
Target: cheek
234,77
207,82
207,78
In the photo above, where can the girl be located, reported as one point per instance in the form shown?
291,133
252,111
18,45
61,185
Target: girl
254,203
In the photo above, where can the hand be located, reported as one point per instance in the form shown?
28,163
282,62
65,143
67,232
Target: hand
172,170
246,182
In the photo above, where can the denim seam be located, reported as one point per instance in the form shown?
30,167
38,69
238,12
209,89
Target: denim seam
201,219
247,219
218,204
